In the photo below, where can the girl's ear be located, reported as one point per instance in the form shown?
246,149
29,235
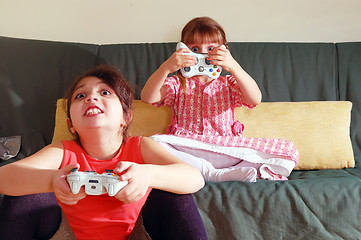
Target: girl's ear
70,126
127,118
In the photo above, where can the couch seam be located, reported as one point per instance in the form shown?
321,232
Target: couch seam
337,74
97,54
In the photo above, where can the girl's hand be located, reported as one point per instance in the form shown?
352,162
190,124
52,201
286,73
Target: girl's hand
153,90
138,181
222,57
251,94
62,189
178,60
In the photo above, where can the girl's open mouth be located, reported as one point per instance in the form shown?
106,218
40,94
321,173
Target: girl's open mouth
93,111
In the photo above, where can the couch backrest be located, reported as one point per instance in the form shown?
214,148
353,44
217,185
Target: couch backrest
290,71
284,71
34,74
349,81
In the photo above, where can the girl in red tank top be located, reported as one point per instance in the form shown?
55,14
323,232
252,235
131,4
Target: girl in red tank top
99,106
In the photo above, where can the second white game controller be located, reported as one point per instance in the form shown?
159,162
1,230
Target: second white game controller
203,66
95,184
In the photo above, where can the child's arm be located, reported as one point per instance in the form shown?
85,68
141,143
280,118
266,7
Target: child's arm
33,174
161,171
251,94
153,90
169,172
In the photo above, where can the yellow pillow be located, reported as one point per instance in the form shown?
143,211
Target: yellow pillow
61,131
320,130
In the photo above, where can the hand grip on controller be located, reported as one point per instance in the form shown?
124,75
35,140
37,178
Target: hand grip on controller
95,184
203,66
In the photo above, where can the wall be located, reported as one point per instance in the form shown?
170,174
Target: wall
128,21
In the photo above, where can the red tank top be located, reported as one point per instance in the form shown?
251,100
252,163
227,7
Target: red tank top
102,217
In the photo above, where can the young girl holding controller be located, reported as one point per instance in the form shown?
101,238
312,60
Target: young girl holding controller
204,131
99,107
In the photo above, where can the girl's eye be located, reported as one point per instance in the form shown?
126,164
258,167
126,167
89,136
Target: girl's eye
195,49
79,96
210,49
105,92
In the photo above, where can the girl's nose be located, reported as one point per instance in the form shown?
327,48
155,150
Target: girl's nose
91,98
205,50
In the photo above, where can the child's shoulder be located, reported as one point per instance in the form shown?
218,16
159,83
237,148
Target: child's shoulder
133,139
172,82
173,79
69,144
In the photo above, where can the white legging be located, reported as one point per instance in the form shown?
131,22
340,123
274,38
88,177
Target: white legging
218,167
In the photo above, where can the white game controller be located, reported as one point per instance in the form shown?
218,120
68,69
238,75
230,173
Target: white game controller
95,184
203,66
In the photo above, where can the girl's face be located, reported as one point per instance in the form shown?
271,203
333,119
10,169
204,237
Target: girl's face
95,105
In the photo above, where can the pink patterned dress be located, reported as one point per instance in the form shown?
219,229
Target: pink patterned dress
205,112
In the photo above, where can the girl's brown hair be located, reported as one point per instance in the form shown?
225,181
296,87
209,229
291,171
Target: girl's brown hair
203,29
114,79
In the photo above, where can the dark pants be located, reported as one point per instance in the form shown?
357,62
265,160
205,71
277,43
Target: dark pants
172,216
38,216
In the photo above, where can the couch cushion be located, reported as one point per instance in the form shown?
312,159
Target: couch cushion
322,204
320,130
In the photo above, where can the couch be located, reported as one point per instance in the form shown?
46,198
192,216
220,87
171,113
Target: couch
311,95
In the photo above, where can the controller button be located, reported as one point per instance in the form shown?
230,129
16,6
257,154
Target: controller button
187,69
214,74
201,69
218,70
211,70
214,66
208,62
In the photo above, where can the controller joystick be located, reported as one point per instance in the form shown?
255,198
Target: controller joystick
95,184
202,67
